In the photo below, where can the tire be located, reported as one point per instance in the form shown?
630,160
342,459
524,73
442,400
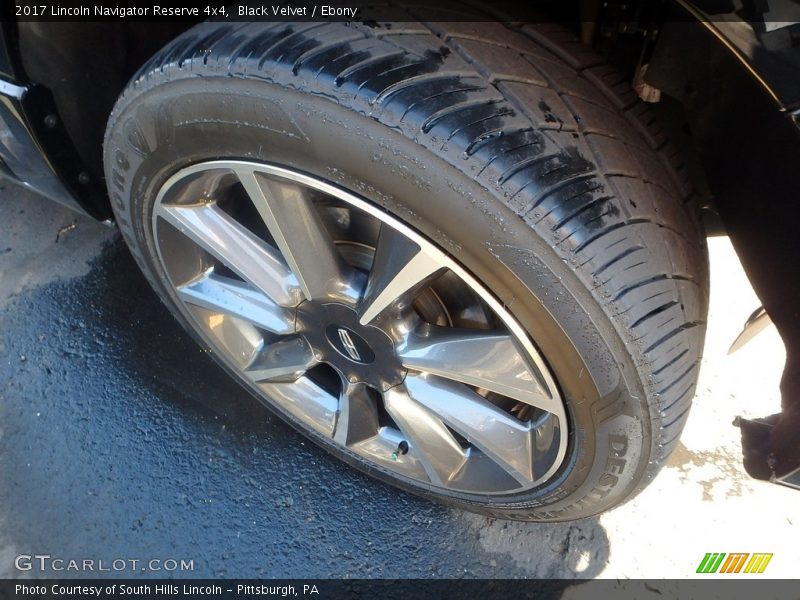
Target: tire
516,152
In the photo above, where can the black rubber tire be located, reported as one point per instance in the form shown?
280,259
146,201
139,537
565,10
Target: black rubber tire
514,149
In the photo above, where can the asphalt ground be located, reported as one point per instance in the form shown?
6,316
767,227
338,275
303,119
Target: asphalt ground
120,439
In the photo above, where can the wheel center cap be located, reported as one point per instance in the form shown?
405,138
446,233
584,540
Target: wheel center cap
360,353
349,344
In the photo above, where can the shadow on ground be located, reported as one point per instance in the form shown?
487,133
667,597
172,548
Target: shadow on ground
119,438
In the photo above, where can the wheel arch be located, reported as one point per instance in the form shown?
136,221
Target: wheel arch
747,129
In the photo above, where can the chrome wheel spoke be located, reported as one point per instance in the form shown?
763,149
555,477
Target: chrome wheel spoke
305,401
357,419
233,245
436,448
334,312
294,223
400,267
239,339
503,438
283,361
485,359
218,293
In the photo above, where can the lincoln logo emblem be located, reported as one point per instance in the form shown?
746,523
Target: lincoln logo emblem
348,344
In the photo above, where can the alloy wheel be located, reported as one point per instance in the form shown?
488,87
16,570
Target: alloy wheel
359,328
